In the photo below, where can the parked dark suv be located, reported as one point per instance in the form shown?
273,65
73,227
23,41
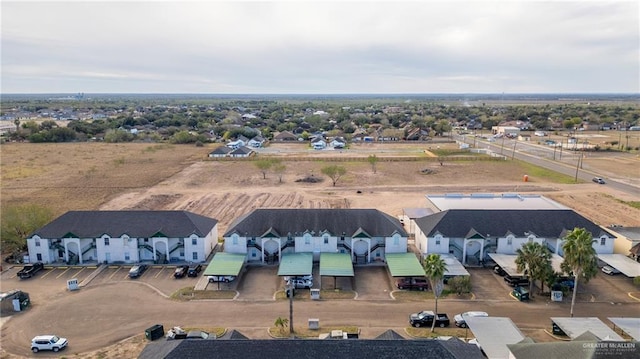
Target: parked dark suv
180,271
194,270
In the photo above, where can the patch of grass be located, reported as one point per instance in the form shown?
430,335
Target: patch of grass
438,332
188,293
303,294
12,173
634,204
303,332
416,295
218,331
444,152
534,171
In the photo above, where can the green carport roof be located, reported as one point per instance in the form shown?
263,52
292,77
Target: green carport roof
225,264
404,265
336,265
296,264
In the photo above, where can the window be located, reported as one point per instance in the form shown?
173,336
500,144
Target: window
194,241
106,241
509,241
37,243
181,253
126,256
234,240
326,240
396,241
437,242
39,256
195,256
307,240
603,241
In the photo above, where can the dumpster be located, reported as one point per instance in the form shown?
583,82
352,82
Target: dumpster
154,332
521,293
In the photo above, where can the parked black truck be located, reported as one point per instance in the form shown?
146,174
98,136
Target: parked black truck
29,270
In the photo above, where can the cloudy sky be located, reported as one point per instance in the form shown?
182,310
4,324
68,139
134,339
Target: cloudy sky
320,47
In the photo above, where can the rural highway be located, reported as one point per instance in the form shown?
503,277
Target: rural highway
566,161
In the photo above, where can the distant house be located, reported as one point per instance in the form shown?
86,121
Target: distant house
285,136
318,143
222,151
256,142
124,236
243,151
338,143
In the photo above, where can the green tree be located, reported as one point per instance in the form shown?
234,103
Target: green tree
281,323
579,258
279,168
534,260
334,172
18,221
264,164
373,160
434,268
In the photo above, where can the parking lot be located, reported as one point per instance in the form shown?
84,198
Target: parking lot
260,283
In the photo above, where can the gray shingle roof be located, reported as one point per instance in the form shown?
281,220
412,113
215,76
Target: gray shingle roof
317,349
222,150
336,221
457,223
135,224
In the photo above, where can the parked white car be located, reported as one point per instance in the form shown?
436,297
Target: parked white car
460,319
300,283
610,270
303,277
48,342
221,278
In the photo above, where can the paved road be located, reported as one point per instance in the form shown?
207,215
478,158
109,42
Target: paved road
566,162
104,313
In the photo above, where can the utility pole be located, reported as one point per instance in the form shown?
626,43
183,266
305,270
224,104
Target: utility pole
578,165
291,291
513,154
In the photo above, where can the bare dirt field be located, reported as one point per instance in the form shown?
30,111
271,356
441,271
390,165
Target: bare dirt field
85,176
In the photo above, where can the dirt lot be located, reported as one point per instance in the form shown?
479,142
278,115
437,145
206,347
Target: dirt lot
147,176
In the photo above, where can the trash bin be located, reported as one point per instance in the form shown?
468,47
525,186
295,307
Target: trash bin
154,332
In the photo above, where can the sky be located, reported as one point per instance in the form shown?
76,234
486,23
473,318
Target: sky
320,47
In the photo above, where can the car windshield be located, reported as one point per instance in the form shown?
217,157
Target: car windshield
423,315
54,339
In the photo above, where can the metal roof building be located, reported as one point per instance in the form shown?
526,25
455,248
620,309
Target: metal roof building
494,334
624,264
631,326
574,327
443,202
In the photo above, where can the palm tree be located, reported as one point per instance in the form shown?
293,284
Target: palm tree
434,268
579,258
534,260
281,323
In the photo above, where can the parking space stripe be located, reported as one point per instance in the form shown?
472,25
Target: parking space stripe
61,274
46,274
114,273
159,272
80,271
